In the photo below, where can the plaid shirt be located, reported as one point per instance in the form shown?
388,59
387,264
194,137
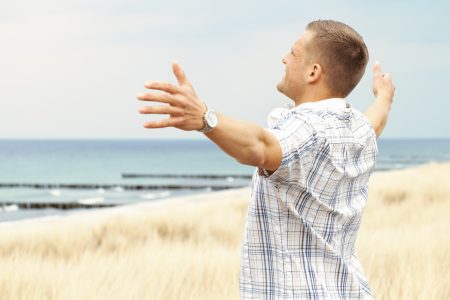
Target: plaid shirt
299,239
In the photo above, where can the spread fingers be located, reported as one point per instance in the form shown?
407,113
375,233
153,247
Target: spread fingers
158,97
163,109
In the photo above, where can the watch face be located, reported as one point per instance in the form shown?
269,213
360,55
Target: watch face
211,118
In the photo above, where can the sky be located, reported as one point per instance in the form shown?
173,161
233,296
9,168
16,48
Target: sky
71,68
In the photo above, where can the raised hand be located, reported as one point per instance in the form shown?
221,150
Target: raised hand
383,89
181,103
382,86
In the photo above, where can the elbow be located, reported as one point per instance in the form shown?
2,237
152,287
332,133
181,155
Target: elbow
253,157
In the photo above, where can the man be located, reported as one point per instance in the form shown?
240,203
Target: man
313,166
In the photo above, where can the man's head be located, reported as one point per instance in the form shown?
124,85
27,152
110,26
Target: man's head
328,60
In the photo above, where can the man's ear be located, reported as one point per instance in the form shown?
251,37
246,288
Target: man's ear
314,73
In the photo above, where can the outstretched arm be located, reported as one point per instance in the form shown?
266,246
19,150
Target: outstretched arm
247,142
383,89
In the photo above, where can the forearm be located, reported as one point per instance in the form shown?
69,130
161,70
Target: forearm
383,89
244,141
377,113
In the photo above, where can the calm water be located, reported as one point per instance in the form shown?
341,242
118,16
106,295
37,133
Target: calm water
104,162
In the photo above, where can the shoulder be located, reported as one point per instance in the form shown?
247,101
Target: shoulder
294,120
362,124
358,115
340,126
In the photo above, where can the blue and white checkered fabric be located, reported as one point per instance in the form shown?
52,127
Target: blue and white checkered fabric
299,239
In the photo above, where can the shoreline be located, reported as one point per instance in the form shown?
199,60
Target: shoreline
156,203
128,208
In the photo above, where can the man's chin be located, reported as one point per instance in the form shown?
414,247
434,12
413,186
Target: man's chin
280,87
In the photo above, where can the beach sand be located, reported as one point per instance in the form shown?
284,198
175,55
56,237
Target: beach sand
189,247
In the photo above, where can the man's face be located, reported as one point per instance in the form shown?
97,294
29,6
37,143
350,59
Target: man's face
294,82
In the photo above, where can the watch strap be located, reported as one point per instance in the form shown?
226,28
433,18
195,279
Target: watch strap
206,128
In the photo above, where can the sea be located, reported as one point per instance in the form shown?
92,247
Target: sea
41,178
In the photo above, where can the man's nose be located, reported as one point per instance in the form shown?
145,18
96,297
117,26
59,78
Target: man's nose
284,60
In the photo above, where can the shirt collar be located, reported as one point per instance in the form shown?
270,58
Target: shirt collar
331,103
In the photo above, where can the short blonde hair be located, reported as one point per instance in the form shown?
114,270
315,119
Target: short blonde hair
342,53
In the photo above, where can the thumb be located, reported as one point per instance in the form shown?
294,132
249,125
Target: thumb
179,73
377,69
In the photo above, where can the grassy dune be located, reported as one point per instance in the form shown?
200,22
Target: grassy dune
190,248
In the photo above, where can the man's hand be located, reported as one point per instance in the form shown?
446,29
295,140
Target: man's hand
382,86
247,142
383,89
184,107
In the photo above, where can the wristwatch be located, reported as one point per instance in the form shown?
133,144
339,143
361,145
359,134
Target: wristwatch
209,119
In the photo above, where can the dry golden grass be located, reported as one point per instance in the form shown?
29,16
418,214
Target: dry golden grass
404,242
186,250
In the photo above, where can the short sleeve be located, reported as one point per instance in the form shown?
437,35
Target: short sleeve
297,139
